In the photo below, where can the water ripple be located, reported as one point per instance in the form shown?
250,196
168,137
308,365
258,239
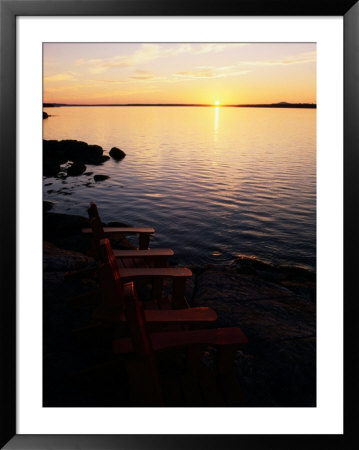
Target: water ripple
249,188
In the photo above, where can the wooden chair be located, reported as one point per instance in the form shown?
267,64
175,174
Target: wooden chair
195,385
129,258
117,284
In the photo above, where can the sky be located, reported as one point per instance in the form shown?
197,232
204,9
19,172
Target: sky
205,73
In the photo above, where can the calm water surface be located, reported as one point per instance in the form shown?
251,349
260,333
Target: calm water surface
215,183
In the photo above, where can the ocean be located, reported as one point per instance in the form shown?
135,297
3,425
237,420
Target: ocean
215,182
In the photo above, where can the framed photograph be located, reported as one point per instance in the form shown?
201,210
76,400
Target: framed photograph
225,134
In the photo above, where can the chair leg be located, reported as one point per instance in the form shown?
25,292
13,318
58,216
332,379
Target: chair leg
144,241
225,358
179,290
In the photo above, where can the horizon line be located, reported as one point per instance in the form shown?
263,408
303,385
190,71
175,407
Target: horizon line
278,105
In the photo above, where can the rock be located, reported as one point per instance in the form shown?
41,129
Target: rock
88,173
47,205
94,155
100,177
77,168
105,158
50,168
117,153
60,260
44,115
278,366
60,152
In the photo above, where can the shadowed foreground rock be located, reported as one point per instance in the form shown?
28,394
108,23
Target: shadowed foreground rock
274,306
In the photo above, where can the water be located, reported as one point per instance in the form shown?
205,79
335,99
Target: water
214,182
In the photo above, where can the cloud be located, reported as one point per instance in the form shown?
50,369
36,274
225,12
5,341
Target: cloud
302,58
150,52
143,75
212,72
66,76
215,47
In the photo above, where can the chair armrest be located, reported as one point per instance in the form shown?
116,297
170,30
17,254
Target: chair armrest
144,233
122,230
176,339
188,316
150,253
166,272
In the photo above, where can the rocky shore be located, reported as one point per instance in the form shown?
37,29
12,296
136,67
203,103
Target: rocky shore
274,305
69,157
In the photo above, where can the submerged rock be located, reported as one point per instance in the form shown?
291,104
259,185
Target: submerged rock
77,168
100,177
117,153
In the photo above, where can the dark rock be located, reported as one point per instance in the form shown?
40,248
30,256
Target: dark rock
100,177
93,155
77,168
44,115
64,230
88,173
60,152
278,366
105,158
47,205
51,168
117,153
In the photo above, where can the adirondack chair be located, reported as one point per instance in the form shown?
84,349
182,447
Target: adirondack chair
196,385
117,284
141,257
149,353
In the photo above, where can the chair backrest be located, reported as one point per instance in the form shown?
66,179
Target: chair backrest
110,280
111,283
93,211
96,226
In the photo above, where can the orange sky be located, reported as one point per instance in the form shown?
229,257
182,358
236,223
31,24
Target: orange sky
88,73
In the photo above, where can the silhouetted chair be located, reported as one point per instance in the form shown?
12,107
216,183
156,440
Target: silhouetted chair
141,257
117,283
195,384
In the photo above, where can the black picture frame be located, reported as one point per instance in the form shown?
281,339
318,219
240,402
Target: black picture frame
9,10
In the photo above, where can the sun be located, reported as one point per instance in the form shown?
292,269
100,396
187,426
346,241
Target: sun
217,103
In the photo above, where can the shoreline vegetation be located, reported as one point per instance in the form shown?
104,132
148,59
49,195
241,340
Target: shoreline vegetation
257,105
273,305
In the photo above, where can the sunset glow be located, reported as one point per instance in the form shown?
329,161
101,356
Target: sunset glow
121,73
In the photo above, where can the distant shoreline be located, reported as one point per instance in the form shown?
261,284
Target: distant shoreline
258,105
